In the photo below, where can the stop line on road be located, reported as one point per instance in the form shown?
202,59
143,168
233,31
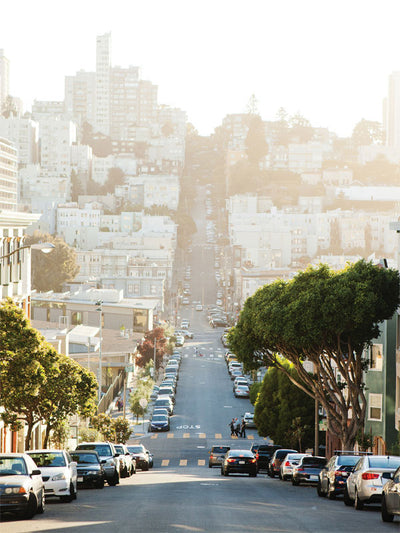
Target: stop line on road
203,436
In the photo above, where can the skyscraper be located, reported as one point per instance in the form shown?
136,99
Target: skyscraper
392,108
103,74
4,78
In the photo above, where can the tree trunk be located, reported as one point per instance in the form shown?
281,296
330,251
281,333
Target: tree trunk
47,435
28,436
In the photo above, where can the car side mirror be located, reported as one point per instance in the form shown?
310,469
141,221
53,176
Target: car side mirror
36,472
116,455
103,462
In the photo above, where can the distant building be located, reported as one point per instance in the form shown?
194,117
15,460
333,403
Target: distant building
8,175
4,78
23,132
103,83
392,119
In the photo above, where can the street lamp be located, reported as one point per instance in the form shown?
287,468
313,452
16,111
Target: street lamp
99,308
45,247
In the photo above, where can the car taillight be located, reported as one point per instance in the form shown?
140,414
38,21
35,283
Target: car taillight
230,460
211,456
369,475
253,460
257,456
300,469
287,463
339,473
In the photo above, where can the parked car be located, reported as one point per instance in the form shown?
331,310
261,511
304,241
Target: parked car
364,485
391,497
199,307
263,453
59,473
239,461
308,469
159,422
240,381
278,456
242,391
289,462
179,340
217,454
154,392
21,486
165,401
127,465
141,455
249,420
109,454
90,469
332,479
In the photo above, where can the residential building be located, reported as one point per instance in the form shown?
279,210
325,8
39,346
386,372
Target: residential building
337,176
392,118
56,138
74,223
23,132
103,83
307,157
4,78
44,109
124,102
8,175
80,97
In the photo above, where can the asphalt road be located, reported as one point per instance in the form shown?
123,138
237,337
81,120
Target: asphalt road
181,494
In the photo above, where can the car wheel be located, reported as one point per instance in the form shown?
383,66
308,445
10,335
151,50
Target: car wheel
41,507
331,493
320,492
295,483
222,471
70,496
145,468
114,481
346,498
100,484
209,465
386,516
253,474
358,504
31,508
272,474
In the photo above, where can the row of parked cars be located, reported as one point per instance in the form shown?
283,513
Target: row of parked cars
164,395
241,385
28,479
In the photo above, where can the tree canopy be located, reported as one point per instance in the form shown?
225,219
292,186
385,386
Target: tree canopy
146,348
51,271
326,318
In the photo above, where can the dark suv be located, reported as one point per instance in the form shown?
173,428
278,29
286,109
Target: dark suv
263,453
274,467
107,453
333,478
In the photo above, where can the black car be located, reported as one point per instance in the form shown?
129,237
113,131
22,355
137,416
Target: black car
21,486
332,479
263,453
308,469
141,455
90,468
239,461
108,453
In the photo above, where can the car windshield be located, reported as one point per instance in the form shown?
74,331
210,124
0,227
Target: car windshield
159,418
136,449
384,462
162,402
348,460
314,461
119,449
85,458
43,459
12,466
101,449
219,449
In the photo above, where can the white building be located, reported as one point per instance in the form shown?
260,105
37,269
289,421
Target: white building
392,118
4,78
23,132
103,75
307,157
74,223
337,176
101,167
56,138
80,97
150,190
8,175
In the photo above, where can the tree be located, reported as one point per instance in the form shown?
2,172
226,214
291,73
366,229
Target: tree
9,108
26,361
142,392
51,271
122,430
146,348
104,425
76,186
301,130
326,318
256,145
167,129
115,177
281,406
367,132
71,389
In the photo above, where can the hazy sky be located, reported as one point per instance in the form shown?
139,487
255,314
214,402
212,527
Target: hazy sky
329,60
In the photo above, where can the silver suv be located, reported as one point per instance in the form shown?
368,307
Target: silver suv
107,453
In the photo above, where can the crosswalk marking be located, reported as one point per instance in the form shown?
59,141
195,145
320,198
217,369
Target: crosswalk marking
165,462
186,435
202,435
170,436
196,435
154,436
218,436
201,462
250,437
183,462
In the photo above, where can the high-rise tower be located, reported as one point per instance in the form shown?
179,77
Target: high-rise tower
103,74
4,78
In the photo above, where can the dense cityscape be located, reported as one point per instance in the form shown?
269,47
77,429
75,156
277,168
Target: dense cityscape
171,301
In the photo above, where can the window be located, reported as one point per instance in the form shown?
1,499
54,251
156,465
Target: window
376,357
375,407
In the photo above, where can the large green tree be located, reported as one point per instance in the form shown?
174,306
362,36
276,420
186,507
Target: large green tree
325,318
280,406
51,271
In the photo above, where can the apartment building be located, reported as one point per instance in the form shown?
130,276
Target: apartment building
80,97
8,175
24,133
4,78
56,138
103,84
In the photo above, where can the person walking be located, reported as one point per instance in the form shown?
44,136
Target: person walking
236,426
243,428
232,426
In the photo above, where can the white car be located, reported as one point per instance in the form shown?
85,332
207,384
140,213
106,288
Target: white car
179,340
370,474
289,462
59,473
199,307
249,420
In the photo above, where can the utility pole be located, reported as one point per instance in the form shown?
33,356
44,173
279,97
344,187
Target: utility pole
316,430
154,358
99,308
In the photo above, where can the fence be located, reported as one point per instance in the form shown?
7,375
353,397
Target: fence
112,392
